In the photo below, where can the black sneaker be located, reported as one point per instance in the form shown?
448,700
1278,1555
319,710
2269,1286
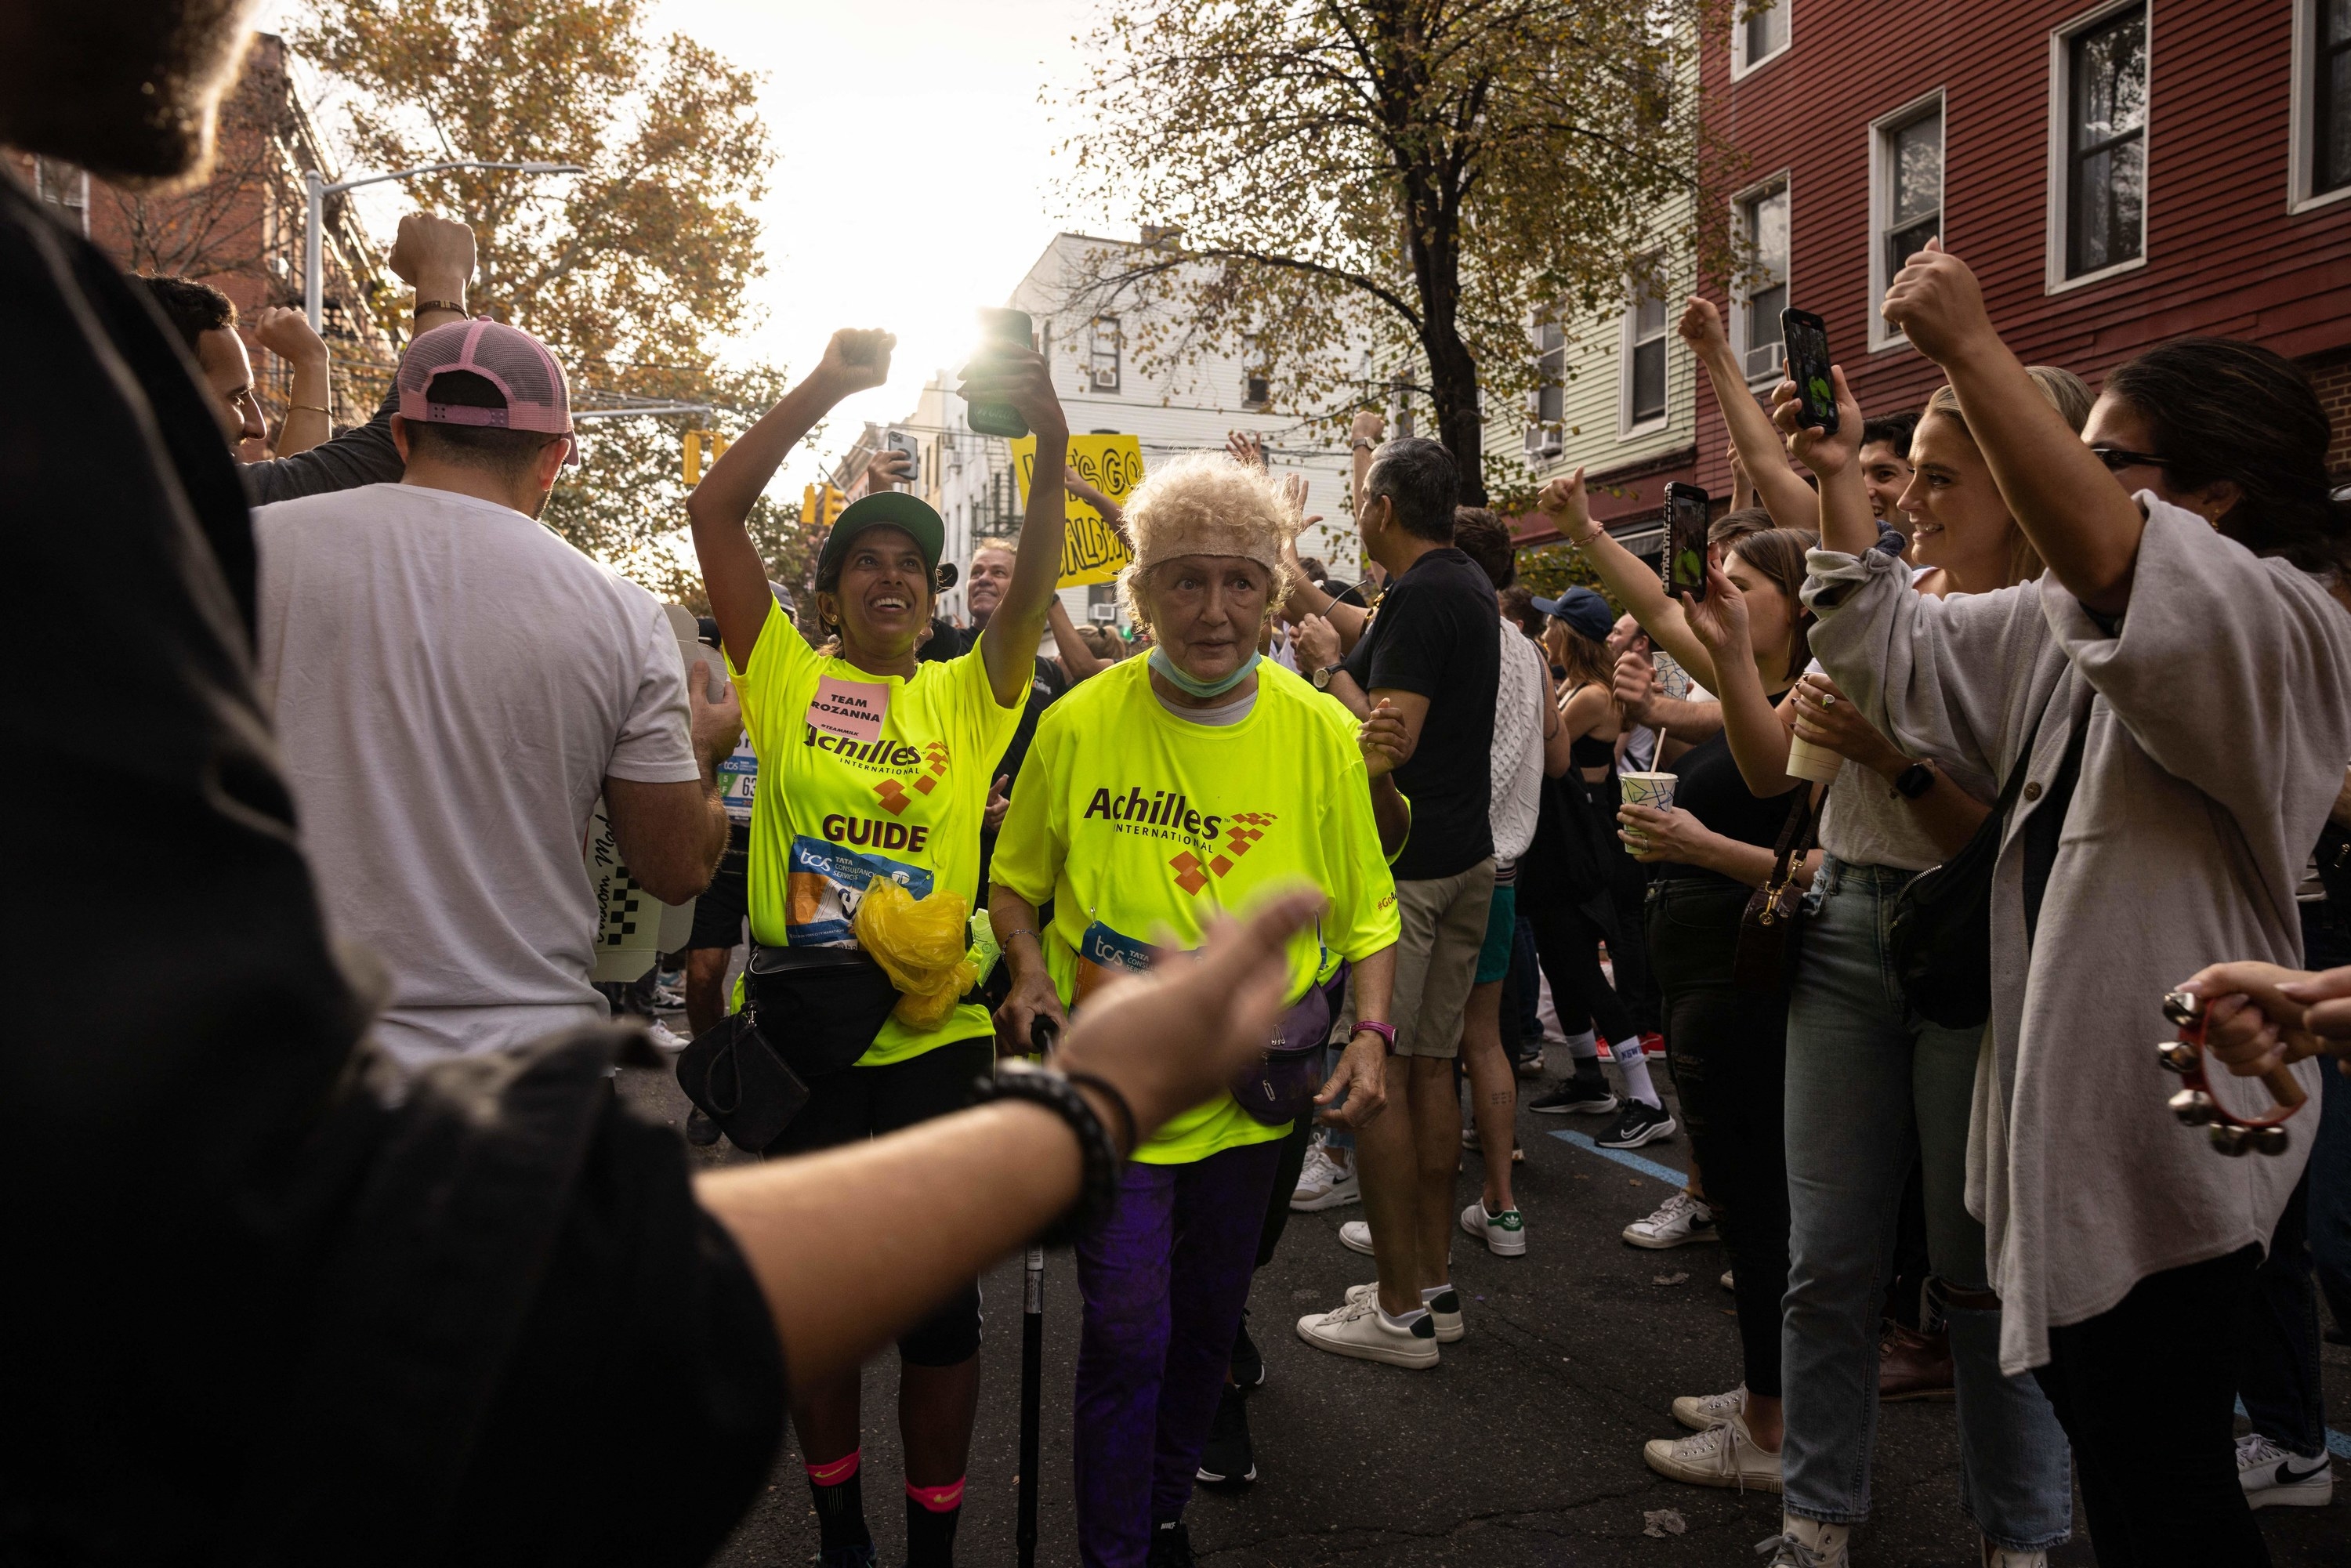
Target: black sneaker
1171,1546
1226,1459
1249,1365
1640,1124
1585,1094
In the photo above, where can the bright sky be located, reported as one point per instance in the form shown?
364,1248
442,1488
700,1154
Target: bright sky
914,175
915,171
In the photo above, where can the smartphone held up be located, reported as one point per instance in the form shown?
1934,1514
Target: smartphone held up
1688,513
1000,329
1807,339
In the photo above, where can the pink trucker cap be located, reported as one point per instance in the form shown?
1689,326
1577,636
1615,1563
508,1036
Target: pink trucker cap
508,358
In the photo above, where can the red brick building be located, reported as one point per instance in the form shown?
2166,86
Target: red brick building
241,230
2117,174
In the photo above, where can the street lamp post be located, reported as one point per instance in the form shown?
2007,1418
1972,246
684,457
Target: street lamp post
314,228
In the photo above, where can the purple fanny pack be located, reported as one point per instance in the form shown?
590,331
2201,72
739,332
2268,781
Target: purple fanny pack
1279,1085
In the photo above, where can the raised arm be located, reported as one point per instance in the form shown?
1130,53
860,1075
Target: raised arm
732,573
1847,524
1020,377
2085,526
1633,581
1781,492
308,421
1757,732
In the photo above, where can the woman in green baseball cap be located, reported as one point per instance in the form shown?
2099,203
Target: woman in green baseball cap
873,764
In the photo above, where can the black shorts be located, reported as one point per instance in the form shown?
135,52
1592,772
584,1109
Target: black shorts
859,1103
718,914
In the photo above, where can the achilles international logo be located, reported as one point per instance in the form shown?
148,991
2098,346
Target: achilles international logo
1246,829
934,764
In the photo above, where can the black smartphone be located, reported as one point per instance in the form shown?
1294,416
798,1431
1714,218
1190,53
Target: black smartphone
1688,511
998,328
1807,338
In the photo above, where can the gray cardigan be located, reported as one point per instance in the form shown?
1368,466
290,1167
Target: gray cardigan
2219,719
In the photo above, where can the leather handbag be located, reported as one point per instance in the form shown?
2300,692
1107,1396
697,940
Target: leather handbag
1279,1085
808,1012
1938,931
1768,927
737,1080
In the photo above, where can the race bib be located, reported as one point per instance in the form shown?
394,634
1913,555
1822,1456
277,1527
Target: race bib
826,882
1102,952
853,710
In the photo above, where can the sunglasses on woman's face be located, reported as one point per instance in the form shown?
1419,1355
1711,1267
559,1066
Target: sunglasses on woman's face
2118,458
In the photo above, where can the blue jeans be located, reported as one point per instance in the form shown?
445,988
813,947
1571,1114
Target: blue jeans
1871,1089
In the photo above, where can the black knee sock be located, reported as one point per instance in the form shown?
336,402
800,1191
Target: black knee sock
932,1514
840,1503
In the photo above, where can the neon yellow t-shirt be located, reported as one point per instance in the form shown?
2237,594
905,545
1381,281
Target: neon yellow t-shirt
863,776
1141,826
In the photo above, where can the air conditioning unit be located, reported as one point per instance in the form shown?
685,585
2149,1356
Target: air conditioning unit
1764,360
1106,380
1544,441
1102,614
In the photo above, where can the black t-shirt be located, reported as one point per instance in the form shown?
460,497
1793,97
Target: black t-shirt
1708,785
318,1238
1434,634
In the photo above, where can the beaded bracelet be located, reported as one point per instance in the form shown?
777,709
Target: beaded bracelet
1098,1182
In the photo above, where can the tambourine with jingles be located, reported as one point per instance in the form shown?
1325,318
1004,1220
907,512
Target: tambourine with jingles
2196,1106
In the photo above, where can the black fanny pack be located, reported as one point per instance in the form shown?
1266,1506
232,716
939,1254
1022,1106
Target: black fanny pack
808,1013
1279,1085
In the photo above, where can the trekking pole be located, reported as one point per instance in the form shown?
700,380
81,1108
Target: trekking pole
1041,1031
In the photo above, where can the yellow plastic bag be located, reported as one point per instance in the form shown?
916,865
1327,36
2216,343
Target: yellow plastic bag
922,943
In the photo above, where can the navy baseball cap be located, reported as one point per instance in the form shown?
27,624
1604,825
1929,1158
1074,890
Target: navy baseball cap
1584,611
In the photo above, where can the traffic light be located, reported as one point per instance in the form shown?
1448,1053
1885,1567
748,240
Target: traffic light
698,442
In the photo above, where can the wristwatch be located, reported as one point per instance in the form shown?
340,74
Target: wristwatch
1322,677
1913,780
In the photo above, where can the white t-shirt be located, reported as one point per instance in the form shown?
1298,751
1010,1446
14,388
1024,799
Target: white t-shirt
452,685
1516,758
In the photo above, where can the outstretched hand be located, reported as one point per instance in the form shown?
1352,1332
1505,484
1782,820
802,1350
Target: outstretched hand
1701,326
856,359
1939,305
1720,620
1825,455
1173,1038
433,255
1245,447
1569,507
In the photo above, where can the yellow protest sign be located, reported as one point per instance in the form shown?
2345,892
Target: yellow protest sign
1091,550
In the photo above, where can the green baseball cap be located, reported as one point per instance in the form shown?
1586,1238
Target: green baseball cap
892,509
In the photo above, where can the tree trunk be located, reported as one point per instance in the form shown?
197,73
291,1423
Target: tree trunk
1453,387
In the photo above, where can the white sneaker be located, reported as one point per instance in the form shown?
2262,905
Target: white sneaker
1726,1282
1700,1411
1724,1456
1445,1308
1356,1237
666,1040
1361,1330
1504,1234
1324,1182
1806,1544
1679,1221
668,999
2275,1478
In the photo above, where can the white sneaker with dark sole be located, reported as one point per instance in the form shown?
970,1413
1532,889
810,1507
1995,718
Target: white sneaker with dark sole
1360,1331
1355,1236
2275,1478
1679,1221
1444,1307
1700,1412
1504,1234
1724,1456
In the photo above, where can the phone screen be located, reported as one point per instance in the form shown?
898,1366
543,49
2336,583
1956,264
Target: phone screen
999,329
1807,339
1686,524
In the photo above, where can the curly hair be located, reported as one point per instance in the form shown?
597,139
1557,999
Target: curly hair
1203,503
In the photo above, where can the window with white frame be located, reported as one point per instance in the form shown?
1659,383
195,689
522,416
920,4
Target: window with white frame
1907,201
2326,150
2101,156
1759,32
1547,401
1101,355
1644,345
1763,233
1257,376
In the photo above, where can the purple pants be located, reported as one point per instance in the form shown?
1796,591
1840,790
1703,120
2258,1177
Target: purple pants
1163,1283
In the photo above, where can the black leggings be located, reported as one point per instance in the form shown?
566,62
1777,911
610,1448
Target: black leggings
1567,945
1728,1050
859,1103
2147,1393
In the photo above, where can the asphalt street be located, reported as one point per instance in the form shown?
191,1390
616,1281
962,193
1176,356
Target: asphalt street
1522,1449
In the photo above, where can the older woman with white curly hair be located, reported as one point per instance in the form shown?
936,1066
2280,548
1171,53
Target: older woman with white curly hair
1157,796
